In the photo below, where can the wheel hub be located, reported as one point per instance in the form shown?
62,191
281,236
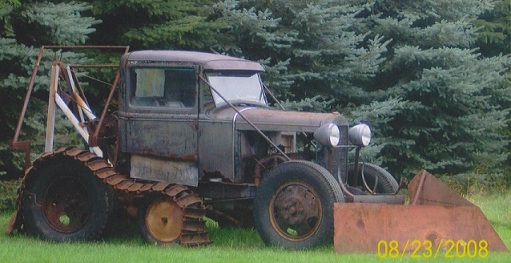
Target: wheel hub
164,220
296,211
67,205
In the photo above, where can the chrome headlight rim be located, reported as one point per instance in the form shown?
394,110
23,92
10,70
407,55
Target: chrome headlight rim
360,135
328,135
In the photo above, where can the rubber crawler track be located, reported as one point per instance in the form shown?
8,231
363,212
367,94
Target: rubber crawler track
194,229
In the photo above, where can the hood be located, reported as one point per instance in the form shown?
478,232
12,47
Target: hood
276,120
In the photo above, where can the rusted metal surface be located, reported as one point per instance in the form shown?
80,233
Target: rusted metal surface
248,121
274,120
206,60
27,96
93,139
223,190
160,134
64,196
108,131
221,134
297,211
380,198
164,170
193,231
12,224
264,165
14,144
360,227
439,215
22,146
425,189
229,213
164,220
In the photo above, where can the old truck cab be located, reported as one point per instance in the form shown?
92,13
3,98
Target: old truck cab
203,120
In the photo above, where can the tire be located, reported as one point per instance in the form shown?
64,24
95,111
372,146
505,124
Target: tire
293,206
386,183
265,165
159,219
64,201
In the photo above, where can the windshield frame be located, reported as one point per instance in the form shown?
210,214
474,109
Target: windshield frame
227,83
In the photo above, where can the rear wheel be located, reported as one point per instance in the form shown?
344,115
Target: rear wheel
373,174
293,206
64,201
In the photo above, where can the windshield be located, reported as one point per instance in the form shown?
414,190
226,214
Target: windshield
237,87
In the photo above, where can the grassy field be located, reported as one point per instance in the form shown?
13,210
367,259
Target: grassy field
230,245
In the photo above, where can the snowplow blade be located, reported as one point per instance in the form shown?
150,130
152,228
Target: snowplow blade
438,221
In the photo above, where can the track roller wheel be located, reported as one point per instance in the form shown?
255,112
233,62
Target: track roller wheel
160,219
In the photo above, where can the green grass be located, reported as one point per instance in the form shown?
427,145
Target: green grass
230,245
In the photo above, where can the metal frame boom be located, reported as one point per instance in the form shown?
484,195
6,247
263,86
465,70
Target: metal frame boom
55,99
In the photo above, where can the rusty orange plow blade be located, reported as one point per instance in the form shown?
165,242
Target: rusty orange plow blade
438,220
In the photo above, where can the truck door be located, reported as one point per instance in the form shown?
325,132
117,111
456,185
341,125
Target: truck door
161,120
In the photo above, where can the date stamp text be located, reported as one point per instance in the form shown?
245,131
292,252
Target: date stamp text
446,248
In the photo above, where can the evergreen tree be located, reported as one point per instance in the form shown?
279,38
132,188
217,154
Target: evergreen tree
24,29
311,49
9,3
252,31
156,24
495,33
449,105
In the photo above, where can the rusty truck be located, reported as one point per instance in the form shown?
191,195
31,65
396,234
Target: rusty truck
192,135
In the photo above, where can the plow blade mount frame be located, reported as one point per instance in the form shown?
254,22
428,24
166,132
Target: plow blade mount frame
436,214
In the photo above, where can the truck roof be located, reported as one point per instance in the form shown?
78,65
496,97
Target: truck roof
208,61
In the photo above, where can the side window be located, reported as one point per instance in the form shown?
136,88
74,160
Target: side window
149,86
180,88
163,87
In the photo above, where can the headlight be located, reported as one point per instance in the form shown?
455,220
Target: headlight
328,134
360,135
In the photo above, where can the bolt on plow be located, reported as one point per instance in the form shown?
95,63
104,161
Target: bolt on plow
437,220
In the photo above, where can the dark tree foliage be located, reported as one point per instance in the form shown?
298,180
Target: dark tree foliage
24,28
451,105
312,49
163,24
494,36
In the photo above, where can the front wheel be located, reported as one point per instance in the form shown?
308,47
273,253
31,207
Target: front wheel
293,207
377,179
